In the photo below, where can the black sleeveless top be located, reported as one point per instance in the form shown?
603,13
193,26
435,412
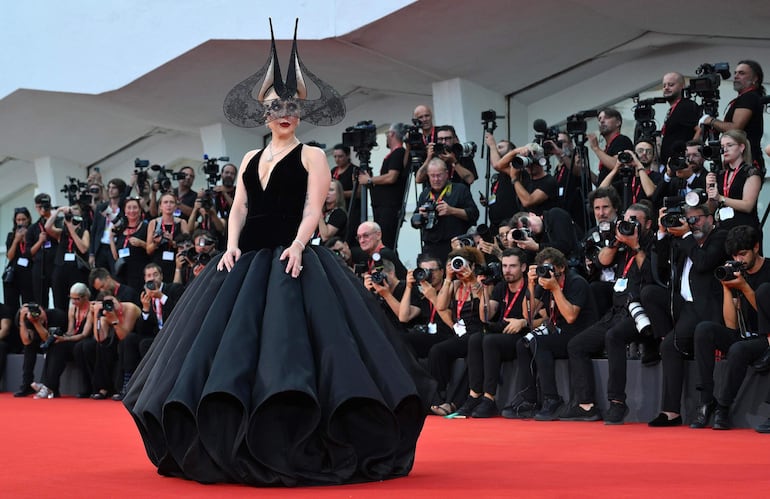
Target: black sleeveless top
274,213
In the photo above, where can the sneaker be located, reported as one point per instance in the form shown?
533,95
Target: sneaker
522,410
43,393
577,413
616,413
550,410
467,408
485,409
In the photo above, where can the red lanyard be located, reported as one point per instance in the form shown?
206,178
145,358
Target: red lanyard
432,312
427,139
70,242
560,174
726,186
79,320
554,310
746,90
607,147
668,115
461,302
440,196
628,265
635,189
515,297
128,233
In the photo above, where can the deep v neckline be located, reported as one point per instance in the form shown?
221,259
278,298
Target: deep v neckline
272,170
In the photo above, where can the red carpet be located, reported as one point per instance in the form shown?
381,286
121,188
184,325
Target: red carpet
83,448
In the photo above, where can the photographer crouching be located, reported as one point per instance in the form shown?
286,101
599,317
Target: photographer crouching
191,259
35,325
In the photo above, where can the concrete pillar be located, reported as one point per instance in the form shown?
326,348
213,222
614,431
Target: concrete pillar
53,174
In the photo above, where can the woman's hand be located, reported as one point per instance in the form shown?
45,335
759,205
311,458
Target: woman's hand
294,255
229,258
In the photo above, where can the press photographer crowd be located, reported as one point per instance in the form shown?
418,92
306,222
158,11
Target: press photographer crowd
654,255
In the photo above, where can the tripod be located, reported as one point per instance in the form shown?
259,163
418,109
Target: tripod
581,153
489,124
415,161
364,155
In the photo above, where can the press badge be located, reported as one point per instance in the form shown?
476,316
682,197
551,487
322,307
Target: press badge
124,252
459,328
47,245
561,192
177,212
491,199
69,257
168,256
726,213
22,262
621,284
316,241
432,329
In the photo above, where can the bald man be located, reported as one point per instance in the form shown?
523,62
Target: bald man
682,117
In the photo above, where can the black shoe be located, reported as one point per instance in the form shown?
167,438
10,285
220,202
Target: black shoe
662,421
703,415
467,408
118,396
522,410
550,410
616,413
764,427
722,418
24,391
485,409
577,413
651,354
762,364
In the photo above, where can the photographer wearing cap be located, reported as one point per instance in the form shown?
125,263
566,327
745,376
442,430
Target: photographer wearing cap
462,294
417,307
537,190
558,305
42,250
745,112
610,122
681,121
696,247
444,209
35,323
743,337
616,328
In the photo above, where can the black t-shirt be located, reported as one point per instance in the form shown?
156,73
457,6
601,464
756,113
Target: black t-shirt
749,314
755,128
502,202
67,246
618,144
337,218
547,184
49,247
428,312
678,127
508,301
345,178
735,183
467,163
391,194
635,191
188,199
578,292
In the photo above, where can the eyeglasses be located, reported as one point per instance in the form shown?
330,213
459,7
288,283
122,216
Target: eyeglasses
365,235
727,146
643,151
444,139
694,219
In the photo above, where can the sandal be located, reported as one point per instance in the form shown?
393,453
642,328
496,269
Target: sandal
444,409
100,395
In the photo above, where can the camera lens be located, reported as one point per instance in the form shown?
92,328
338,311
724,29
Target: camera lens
458,262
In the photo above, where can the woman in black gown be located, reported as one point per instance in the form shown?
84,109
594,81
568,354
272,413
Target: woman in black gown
275,367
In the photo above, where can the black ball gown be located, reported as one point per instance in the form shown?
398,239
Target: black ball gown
262,379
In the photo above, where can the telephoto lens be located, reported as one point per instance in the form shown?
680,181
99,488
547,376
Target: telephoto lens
458,263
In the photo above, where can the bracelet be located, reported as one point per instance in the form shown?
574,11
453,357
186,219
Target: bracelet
115,323
301,244
447,281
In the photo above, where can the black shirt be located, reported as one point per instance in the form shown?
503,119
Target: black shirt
679,127
754,280
578,292
618,144
547,184
752,101
503,296
391,194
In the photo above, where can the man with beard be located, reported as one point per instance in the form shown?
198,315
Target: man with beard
693,296
605,203
224,193
635,175
461,169
680,181
487,350
681,121
610,122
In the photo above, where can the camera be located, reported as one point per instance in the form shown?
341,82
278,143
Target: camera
207,199
202,258
427,220
644,114
140,170
150,285
414,139
544,135
712,151
625,158
482,230
576,123
710,76
163,177
108,306
546,270
491,272
159,232
466,240
521,234
627,227
421,275
641,320
77,193
34,309
674,211
53,332
536,156
363,135
119,224
541,330
727,271
458,263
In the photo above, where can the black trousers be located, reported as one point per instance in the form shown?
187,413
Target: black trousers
56,359
130,350
612,333
97,361
546,349
30,359
387,218
41,282
526,374
486,353
441,357
420,342
64,276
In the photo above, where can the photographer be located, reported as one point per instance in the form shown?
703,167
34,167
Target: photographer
634,176
418,308
67,227
160,244
734,192
538,192
461,294
115,330
745,112
225,192
558,305
553,228
204,215
59,346
682,177
17,282
616,328
192,259
128,244
697,248
344,172
605,203
99,254
388,187
369,236
384,283
743,336
681,121
100,280
424,115
42,250
462,169
334,220
503,313
444,209
341,249
610,122
34,322
502,199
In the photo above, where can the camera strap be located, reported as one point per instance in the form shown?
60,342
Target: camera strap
668,115
461,301
631,257
447,189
